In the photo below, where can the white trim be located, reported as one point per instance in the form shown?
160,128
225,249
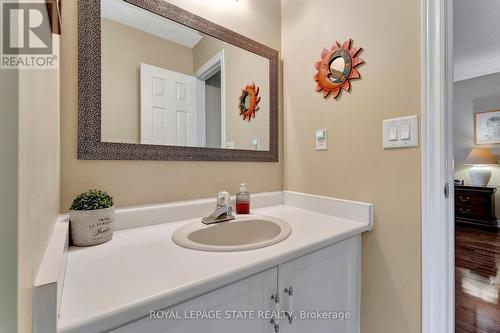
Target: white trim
223,100
437,168
49,282
202,114
212,66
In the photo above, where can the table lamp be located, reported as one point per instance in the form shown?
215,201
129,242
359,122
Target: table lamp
479,158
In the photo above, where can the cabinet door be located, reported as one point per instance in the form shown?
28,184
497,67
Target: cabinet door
326,283
251,294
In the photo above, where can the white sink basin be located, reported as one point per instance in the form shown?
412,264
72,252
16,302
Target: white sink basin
247,232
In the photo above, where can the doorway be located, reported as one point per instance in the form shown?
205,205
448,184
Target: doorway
213,106
440,136
476,148
211,102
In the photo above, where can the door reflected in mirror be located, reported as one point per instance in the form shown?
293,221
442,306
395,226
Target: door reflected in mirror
166,84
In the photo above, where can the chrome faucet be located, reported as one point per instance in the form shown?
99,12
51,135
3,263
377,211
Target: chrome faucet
223,210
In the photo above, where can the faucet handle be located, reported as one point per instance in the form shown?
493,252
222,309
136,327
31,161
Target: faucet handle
223,199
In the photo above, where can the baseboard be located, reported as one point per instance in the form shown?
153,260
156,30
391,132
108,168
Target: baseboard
49,282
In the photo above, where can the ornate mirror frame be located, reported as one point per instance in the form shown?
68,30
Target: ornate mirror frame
90,146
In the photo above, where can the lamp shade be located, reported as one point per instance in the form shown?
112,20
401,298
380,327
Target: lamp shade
480,156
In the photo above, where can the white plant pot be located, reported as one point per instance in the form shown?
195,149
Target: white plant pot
91,227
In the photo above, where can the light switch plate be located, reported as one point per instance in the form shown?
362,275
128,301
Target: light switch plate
321,139
407,130
256,143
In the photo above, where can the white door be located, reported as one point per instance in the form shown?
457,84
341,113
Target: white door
168,107
251,294
326,281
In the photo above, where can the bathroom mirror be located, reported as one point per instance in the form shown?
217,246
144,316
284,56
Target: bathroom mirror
159,83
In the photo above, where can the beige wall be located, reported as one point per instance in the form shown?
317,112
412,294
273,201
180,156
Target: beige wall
39,174
8,199
139,182
123,50
471,96
355,166
205,50
32,119
29,195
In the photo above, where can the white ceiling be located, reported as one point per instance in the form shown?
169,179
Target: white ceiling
135,17
476,38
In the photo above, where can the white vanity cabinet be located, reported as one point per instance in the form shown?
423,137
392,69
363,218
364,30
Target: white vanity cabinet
250,294
324,282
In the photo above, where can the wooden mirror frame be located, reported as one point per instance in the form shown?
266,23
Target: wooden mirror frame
90,146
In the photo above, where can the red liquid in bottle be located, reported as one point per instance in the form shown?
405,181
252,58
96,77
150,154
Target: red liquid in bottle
242,208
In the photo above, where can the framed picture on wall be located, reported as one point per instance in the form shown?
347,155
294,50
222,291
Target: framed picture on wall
487,127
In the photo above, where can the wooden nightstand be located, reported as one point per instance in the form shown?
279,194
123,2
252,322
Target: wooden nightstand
475,205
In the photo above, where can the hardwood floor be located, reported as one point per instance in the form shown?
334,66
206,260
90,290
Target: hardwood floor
477,283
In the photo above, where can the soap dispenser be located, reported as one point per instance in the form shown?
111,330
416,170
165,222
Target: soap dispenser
243,200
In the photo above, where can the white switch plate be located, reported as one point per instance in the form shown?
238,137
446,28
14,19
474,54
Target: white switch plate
404,125
256,143
321,139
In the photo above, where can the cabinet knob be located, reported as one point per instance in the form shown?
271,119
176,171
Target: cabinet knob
464,211
464,199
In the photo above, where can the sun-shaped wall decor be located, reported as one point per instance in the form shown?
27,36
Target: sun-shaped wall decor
336,68
249,101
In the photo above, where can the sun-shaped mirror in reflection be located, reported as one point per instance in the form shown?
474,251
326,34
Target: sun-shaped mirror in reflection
249,101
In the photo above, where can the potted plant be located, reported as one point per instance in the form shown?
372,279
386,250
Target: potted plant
91,218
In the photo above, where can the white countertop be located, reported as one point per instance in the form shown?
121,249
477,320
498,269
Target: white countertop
142,269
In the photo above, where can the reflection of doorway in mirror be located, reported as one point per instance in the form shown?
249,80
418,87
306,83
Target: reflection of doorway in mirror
211,102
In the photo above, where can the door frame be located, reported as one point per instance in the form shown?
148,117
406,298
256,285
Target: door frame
212,66
438,253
